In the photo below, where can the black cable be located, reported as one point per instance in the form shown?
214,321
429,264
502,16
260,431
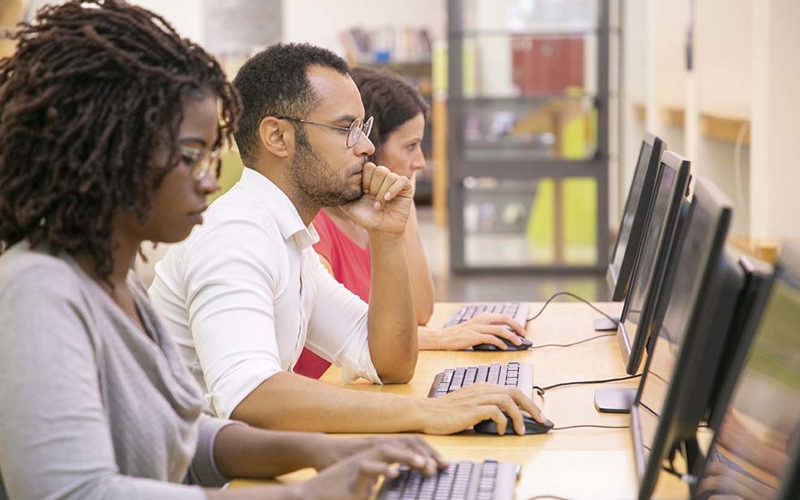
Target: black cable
542,390
574,343
577,297
591,425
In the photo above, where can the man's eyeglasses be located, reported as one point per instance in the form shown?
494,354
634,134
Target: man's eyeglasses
199,161
354,131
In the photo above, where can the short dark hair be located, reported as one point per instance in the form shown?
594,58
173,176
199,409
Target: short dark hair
90,92
389,99
274,82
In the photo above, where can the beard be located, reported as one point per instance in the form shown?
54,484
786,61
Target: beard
317,180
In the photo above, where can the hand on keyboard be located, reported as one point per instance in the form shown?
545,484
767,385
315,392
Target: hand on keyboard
329,450
484,328
462,409
355,477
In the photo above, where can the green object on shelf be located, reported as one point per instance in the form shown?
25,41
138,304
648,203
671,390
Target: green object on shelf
231,171
579,218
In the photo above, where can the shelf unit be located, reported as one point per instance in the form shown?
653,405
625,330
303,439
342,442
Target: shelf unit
528,136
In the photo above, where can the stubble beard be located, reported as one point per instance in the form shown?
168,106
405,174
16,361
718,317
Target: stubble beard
316,180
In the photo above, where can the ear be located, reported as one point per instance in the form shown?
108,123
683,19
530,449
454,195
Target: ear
277,136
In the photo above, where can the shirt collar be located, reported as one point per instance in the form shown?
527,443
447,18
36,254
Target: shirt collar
282,209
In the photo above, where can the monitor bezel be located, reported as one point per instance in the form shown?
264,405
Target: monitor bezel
687,391
633,346
619,279
790,258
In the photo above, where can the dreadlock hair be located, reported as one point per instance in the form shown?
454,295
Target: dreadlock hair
389,99
274,82
93,87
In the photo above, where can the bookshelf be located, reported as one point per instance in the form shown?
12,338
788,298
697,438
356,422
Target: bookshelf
528,134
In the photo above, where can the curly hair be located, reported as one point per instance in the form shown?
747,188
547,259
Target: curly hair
389,99
274,82
93,87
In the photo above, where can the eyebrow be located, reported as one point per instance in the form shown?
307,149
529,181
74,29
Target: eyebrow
197,140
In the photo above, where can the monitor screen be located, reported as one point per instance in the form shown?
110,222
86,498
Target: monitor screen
687,344
662,224
754,455
637,206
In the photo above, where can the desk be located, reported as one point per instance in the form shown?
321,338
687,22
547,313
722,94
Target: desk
581,463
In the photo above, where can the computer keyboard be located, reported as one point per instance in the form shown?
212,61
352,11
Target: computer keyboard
514,374
516,310
488,480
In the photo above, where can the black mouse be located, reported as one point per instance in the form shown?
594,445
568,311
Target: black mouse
531,426
526,344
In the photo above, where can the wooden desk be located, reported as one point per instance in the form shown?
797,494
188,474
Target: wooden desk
581,463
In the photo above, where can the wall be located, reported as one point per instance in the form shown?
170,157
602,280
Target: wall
747,68
320,21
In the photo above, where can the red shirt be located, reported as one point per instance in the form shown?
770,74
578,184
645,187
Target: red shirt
351,267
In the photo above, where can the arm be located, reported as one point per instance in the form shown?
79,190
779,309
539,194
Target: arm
55,437
353,477
485,328
421,280
383,211
308,404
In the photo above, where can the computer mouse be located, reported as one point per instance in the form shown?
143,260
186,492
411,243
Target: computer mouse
531,426
526,344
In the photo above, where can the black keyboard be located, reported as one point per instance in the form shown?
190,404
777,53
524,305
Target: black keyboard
488,480
514,374
516,310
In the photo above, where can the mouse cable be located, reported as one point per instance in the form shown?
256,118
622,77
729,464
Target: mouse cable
542,390
592,426
575,343
576,297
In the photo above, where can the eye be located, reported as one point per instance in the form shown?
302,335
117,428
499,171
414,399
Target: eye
190,156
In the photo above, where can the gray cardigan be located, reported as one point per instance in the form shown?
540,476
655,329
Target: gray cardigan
90,407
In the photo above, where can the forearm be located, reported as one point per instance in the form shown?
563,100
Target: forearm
392,321
242,451
421,280
287,401
273,492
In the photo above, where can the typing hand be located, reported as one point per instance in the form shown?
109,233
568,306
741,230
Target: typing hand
386,203
355,477
466,407
484,328
333,449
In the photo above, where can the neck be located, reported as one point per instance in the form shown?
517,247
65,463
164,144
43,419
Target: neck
356,233
124,248
278,175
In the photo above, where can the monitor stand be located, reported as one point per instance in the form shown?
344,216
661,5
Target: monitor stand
605,324
615,400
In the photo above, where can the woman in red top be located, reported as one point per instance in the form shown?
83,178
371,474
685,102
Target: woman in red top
399,113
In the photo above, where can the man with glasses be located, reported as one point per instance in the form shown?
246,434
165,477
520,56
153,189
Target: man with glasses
246,292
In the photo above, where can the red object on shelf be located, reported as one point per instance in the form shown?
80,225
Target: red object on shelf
547,64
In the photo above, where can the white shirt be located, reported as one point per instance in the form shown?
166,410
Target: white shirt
246,291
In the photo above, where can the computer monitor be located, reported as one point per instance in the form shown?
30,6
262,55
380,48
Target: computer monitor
703,286
666,215
637,206
758,276
756,452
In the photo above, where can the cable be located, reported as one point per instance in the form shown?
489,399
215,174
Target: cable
542,390
577,297
591,425
574,343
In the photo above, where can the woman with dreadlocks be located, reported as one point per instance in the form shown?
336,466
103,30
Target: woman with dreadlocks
110,126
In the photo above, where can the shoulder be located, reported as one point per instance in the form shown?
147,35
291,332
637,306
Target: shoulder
24,270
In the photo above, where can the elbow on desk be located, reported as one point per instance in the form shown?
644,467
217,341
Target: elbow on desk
400,374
